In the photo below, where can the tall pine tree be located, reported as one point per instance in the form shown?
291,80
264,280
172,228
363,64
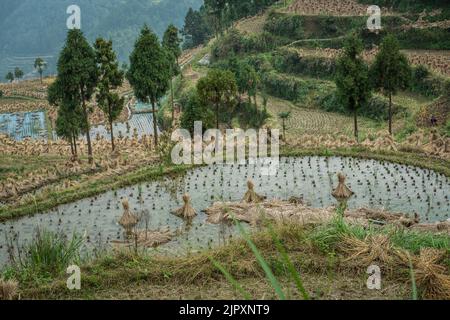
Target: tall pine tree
171,42
77,79
352,78
110,78
149,71
391,71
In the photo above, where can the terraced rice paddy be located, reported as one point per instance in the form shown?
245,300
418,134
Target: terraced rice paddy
376,184
23,125
139,124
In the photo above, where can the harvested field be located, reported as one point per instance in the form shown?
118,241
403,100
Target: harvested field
329,7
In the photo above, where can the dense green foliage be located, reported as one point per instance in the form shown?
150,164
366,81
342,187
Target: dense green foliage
235,43
110,78
292,88
40,65
425,83
218,91
195,110
290,26
9,76
289,61
46,257
390,71
216,16
75,85
149,73
375,108
352,78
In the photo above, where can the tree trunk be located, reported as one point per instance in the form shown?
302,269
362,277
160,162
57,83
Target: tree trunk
88,136
155,125
390,113
40,76
284,129
112,134
217,115
173,104
71,146
356,124
75,145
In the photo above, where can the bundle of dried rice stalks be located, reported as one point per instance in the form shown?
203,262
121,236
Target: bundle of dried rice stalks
8,289
251,195
128,220
186,211
147,238
342,192
376,248
273,210
438,227
432,277
386,217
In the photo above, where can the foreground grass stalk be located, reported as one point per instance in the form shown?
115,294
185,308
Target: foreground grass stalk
413,278
230,279
273,281
294,273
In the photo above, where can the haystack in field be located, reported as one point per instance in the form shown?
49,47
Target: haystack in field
372,249
385,217
186,211
432,277
8,289
251,195
272,210
146,238
342,192
128,220
430,272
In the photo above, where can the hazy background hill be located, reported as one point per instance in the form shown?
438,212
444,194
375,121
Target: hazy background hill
31,28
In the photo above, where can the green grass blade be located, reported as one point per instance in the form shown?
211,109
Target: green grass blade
273,281
413,279
230,279
294,273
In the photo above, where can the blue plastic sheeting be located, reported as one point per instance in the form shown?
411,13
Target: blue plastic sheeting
23,125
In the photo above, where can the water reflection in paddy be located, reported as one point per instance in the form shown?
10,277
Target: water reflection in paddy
376,184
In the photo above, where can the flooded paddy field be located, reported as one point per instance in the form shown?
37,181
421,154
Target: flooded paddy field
21,125
139,124
376,184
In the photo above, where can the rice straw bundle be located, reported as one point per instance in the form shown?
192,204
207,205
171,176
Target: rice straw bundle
8,289
128,220
372,249
251,195
431,276
186,211
342,192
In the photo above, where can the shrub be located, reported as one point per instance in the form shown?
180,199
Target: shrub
289,61
377,107
251,117
47,255
294,89
194,110
447,129
235,43
282,25
425,83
